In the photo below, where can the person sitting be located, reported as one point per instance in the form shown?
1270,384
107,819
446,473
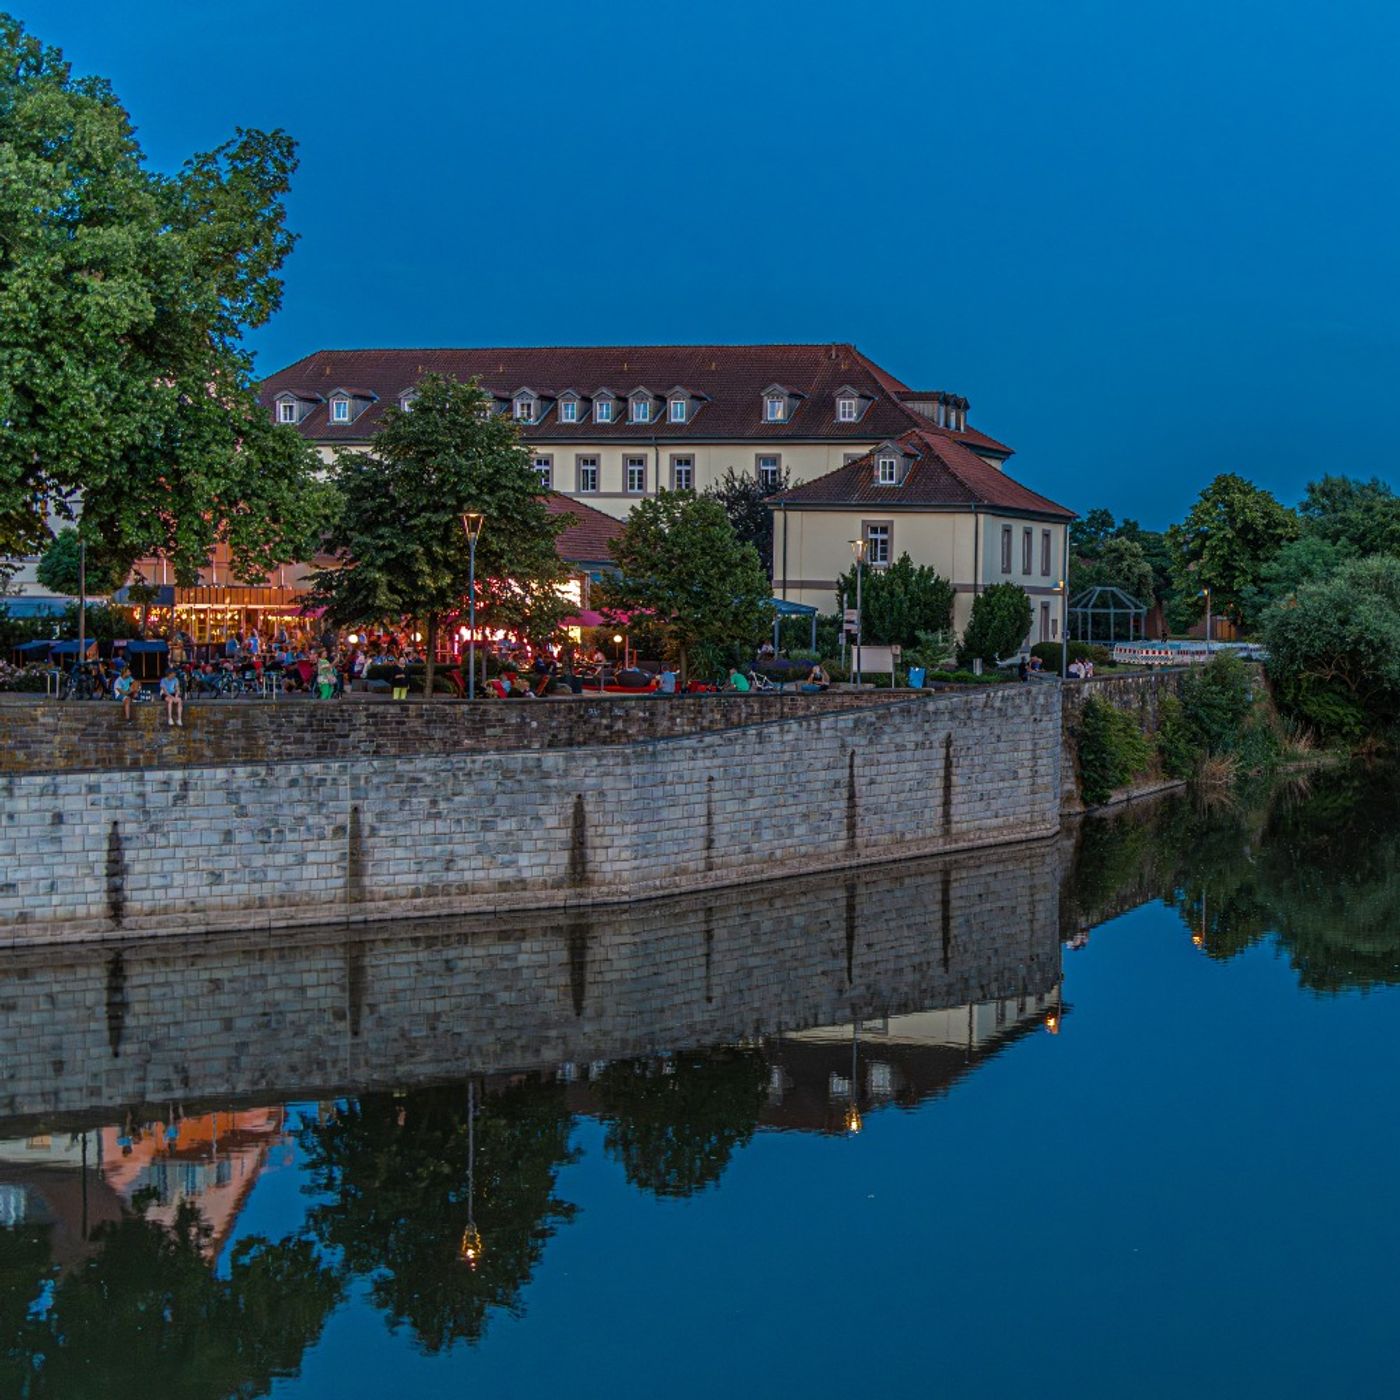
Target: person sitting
1036,664
122,689
817,680
738,681
174,699
765,652
667,681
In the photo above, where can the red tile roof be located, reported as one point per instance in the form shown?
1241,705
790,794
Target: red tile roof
586,541
728,381
944,475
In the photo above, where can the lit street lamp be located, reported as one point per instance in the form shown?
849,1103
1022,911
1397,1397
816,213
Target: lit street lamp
472,523
1205,593
858,549
1064,630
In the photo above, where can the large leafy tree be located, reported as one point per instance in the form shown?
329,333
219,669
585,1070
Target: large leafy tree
681,561
1122,564
900,602
1231,533
1332,648
1001,618
61,570
745,501
1360,516
124,293
398,529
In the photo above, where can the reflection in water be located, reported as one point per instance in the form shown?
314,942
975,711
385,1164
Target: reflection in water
681,1030
1314,865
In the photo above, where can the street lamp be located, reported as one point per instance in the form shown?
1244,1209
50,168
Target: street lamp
1205,593
472,522
618,640
1064,630
858,549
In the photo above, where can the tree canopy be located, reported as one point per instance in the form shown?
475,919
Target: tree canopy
398,526
124,295
1001,618
1230,534
59,569
745,501
681,561
899,602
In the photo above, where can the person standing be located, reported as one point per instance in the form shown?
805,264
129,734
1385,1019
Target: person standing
325,677
399,679
174,700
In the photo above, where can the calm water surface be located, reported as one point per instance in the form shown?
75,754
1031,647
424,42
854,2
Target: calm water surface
1109,1116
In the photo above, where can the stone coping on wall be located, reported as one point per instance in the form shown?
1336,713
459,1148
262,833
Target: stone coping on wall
47,736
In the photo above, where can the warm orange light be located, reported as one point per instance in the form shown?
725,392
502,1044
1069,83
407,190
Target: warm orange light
853,1120
617,637
1198,939
469,1252
1052,1024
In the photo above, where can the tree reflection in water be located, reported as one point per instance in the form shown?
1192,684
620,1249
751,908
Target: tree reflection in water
1314,864
145,1312
396,1168
673,1123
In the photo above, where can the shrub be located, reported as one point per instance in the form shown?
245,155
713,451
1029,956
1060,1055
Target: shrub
900,602
1000,619
1112,750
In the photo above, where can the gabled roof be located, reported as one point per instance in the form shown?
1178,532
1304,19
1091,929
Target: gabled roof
731,378
586,541
944,475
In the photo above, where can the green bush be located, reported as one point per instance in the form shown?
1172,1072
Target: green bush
1112,750
966,678
1176,744
1218,714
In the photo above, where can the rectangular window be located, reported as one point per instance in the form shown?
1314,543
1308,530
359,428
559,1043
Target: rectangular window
602,410
641,411
1045,622
678,410
773,410
1045,554
1006,549
877,545
524,410
845,410
683,473
587,473
287,411
544,467
340,410
889,471
769,472
568,411
636,475
1027,535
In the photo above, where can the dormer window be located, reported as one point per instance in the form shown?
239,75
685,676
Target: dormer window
340,410
524,409
774,409
603,411
406,402
678,410
288,411
568,411
887,471
641,410
845,410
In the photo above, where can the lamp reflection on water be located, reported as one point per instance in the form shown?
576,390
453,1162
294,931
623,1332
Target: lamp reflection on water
470,1250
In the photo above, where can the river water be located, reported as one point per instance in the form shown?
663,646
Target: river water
1113,1115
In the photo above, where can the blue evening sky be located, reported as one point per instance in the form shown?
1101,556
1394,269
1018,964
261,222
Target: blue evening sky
1150,242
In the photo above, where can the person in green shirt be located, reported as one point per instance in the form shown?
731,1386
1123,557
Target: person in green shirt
738,680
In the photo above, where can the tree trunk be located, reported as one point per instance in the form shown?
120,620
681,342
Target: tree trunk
685,664
431,673
145,618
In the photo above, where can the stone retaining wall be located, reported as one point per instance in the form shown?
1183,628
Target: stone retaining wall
307,1014
45,736
326,840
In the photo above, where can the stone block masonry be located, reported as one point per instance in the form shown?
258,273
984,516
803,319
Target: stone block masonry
311,1013
351,837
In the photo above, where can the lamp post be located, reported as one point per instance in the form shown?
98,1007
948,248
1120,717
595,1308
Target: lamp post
858,549
472,522
1064,630
1205,593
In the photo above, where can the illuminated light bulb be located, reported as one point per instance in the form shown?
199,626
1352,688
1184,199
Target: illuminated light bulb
469,1252
1052,1024
853,1120
1198,939
617,637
